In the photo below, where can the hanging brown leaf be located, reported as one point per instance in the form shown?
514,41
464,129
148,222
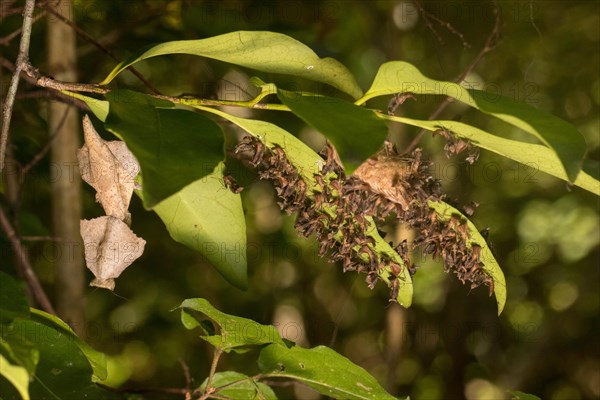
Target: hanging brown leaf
110,247
110,168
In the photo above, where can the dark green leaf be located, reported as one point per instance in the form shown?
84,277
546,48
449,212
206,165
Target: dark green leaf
208,217
262,51
563,138
13,302
239,387
235,333
355,131
323,369
63,371
95,358
174,147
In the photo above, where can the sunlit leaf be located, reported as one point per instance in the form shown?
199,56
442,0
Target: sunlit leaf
208,217
263,51
535,156
563,138
16,375
490,265
323,369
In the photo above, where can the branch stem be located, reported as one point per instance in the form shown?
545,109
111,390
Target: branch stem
22,60
25,264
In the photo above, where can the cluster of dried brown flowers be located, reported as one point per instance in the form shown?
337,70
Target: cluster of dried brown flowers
338,209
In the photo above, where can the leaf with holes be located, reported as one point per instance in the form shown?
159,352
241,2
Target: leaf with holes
233,334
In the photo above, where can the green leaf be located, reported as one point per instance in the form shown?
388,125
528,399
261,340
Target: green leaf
299,154
308,163
13,303
63,371
490,265
355,131
263,51
96,359
235,333
209,218
533,155
174,147
563,138
239,387
98,107
516,395
16,375
321,368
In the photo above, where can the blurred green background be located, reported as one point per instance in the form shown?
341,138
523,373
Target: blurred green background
450,344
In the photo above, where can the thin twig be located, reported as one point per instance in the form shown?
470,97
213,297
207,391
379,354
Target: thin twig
6,9
25,264
490,44
427,16
22,59
41,239
44,81
42,152
209,390
143,390
340,315
54,94
188,378
5,41
90,39
63,88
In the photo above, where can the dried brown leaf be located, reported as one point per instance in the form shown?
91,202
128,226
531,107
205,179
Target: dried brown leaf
110,168
110,247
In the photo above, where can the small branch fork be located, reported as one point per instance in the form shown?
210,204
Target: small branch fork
490,44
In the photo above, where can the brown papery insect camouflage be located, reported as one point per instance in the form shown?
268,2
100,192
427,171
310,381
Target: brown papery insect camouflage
385,185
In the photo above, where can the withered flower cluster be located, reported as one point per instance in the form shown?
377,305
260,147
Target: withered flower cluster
455,146
337,207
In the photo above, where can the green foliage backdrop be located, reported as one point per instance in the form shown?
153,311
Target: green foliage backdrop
544,233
